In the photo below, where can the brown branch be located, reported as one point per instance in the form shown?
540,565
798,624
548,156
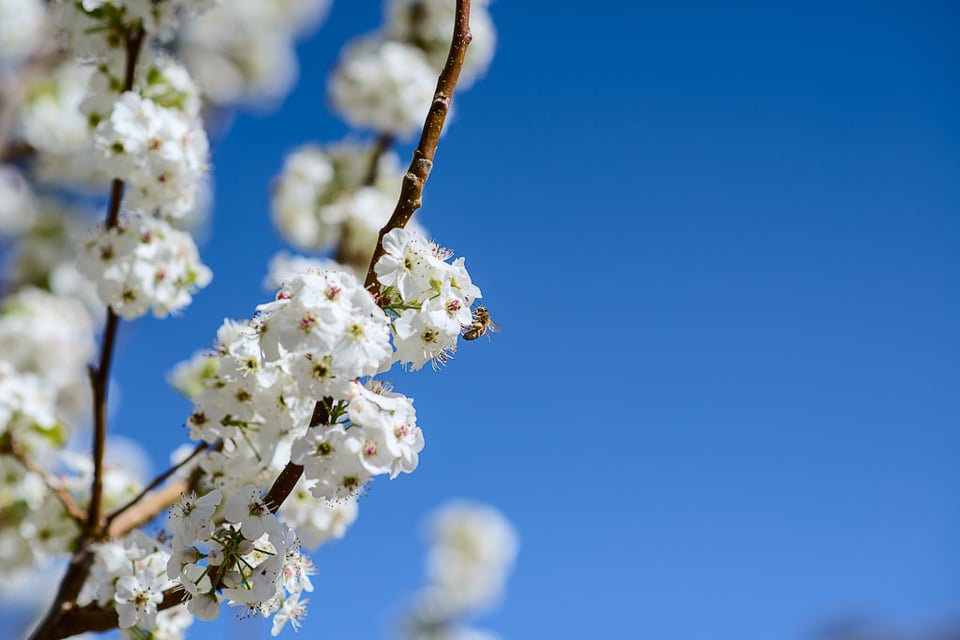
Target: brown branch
422,163
10,446
342,255
93,618
100,376
409,202
156,482
73,579
146,509
287,480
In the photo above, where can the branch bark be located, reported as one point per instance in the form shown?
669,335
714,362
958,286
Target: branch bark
100,376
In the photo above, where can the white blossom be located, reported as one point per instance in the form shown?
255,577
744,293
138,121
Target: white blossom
293,611
473,548
316,197
242,50
144,264
383,85
21,28
18,212
137,598
161,152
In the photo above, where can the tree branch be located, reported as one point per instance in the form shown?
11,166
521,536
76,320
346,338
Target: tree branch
382,144
287,480
93,618
100,376
10,446
422,163
79,566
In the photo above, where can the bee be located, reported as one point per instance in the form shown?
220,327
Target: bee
480,324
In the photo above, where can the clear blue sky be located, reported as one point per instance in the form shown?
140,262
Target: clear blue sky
722,240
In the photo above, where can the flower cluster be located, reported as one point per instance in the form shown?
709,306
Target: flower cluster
157,150
325,196
472,551
368,66
431,297
242,50
21,29
50,337
320,335
131,574
381,438
143,113
143,264
237,551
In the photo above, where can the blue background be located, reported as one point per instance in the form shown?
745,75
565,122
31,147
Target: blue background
721,240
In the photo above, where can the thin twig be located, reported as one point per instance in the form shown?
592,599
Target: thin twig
413,182
156,482
382,144
287,480
13,447
343,255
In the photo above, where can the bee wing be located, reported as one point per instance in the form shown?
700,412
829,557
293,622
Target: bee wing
493,326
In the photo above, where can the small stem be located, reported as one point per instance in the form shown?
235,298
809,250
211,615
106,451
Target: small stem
287,480
382,144
14,449
343,255
416,177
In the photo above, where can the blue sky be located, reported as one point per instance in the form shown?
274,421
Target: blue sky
721,240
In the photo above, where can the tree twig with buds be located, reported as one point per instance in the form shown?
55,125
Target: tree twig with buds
422,163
